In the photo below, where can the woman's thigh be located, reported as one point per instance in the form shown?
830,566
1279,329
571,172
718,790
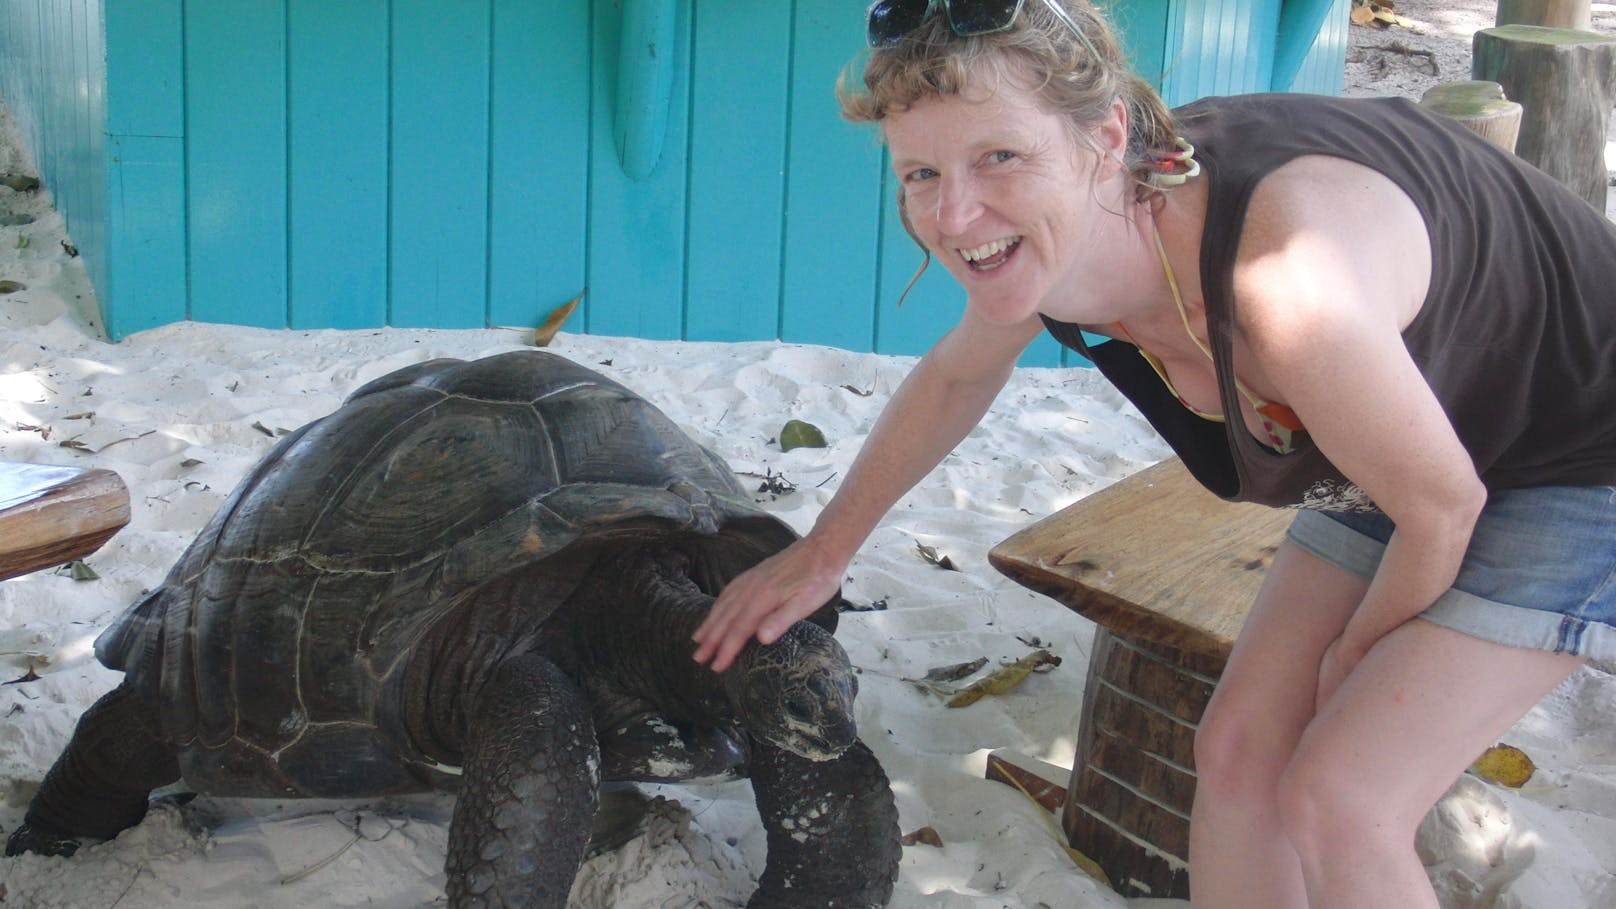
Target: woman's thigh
1265,697
1421,706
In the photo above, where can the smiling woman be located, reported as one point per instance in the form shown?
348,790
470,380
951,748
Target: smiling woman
1217,246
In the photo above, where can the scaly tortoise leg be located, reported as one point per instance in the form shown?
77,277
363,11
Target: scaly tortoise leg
100,784
832,830
528,794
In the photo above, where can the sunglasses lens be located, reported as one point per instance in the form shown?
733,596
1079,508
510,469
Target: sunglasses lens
890,20
981,17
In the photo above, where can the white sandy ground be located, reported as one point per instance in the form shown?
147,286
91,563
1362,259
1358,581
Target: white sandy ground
182,412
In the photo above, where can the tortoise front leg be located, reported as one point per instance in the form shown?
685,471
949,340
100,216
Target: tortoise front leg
100,784
529,790
832,830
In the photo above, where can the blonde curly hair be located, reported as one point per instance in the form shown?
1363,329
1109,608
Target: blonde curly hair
1081,74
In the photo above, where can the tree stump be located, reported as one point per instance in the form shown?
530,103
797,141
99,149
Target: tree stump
1565,81
1547,13
1479,107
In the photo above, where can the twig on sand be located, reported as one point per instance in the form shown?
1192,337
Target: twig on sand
1430,66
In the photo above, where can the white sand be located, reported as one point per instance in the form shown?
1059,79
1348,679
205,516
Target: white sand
181,413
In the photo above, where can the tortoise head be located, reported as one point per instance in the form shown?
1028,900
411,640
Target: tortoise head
797,693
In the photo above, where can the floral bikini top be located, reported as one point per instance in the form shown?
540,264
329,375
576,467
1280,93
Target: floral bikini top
1278,420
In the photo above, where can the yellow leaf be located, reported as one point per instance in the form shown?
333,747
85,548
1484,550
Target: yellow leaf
1362,15
1505,765
545,333
1004,679
927,836
1089,866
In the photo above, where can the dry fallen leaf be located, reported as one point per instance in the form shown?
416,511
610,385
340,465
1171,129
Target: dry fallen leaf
1004,679
1089,866
546,332
930,555
924,836
956,671
1504,765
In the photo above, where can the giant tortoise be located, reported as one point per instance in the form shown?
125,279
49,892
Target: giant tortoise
482,576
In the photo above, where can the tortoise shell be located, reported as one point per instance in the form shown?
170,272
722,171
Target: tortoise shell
283,626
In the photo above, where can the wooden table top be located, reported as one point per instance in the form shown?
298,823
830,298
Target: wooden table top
1155,556
51,515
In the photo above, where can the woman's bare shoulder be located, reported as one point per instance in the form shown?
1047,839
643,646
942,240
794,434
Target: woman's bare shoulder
1322,234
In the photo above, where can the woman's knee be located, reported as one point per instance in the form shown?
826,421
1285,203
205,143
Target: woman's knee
1241,749
1326,810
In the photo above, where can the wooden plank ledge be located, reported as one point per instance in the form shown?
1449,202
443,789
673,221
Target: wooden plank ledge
51,515
1154,556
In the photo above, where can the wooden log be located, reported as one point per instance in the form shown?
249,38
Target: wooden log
1546,13
1479,107
52,515
1565,81
1037,779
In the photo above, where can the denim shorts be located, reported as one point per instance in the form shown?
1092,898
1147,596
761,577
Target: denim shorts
1540,571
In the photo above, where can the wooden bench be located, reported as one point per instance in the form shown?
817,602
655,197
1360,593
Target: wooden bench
52,515
1167,571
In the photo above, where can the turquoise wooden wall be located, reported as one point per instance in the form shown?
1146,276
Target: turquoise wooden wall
53,76
353,163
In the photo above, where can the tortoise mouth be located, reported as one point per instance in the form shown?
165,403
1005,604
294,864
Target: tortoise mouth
818,743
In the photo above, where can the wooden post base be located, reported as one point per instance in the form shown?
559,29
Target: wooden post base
1168,572
1133,781
1565,81
1479,107
1547,13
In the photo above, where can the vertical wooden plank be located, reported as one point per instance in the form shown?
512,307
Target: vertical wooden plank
1323,69
737,173
337,167
439,222
235,104
1143,27
636,227
1262,34
1190,69
144,284
50,112
90,229
834,195
145,68
539,161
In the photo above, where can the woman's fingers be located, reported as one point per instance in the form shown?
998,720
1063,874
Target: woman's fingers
762,602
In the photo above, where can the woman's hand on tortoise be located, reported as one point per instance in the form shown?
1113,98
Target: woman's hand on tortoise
766,600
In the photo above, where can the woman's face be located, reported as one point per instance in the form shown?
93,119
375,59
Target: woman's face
1001,193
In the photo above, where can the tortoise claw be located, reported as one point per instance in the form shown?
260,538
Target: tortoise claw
42,841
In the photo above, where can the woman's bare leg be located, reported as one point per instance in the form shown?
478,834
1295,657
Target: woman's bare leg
1240,854
1418,710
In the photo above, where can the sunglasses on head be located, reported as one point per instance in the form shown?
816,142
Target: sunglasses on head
891,20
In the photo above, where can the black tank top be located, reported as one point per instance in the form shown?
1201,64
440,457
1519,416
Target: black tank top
1517,336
